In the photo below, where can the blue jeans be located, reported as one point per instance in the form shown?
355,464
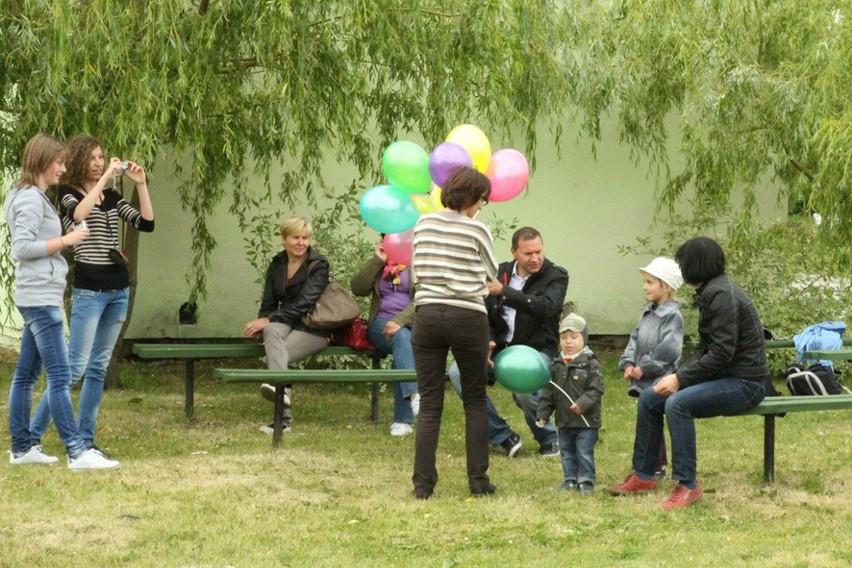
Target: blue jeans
719,397
498,428
42,344
399,346
96,320
577,448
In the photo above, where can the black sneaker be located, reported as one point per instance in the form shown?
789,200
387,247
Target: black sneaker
660,473
569,485
549,450
104,452
512,445
484,491
586,488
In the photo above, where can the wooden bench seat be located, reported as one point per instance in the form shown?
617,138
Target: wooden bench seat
771,407
292,376
192,352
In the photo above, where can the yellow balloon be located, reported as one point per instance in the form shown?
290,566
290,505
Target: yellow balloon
423,203
475,142
435,196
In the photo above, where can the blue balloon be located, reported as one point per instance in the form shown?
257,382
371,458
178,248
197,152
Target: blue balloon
521,369
388,209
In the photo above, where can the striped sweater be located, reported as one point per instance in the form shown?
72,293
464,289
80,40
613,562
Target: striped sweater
453,257
93,268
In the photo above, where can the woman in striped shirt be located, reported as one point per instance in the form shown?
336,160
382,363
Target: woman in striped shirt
101,280
453,258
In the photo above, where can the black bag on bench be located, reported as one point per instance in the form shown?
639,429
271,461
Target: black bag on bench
814,380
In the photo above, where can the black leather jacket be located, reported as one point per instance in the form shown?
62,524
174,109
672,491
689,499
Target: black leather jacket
537,306
731,342
285,302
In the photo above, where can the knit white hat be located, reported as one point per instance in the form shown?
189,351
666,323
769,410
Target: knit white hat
666,270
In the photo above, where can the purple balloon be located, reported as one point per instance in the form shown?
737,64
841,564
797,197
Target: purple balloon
445,159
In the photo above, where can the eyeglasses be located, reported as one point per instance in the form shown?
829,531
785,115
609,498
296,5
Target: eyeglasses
484,200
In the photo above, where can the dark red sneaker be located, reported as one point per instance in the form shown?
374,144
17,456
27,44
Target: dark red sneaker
683,496
632,484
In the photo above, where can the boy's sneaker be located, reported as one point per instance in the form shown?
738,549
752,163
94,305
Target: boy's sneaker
414,401
512,445
33,455
632,484
586,488
270,429
569,485
549,450
682,496
91,459
400,429
660,473
267,391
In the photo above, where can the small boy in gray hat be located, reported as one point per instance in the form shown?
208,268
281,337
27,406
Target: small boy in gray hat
574,393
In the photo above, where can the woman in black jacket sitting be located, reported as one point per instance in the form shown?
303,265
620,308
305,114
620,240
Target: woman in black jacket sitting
294,281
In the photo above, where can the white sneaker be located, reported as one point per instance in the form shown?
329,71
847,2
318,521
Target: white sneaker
414,400
34,455
269,430
91,459
401,429
267,391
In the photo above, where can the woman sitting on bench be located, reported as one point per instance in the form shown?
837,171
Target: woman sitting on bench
391,315
294,280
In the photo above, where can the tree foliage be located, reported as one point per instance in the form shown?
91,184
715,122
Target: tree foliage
741,92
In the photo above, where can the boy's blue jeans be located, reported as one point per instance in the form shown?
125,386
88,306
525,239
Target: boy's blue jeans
719,397
96,320
577,448
42,344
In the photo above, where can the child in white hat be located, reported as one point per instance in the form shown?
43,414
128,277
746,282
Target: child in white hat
655,346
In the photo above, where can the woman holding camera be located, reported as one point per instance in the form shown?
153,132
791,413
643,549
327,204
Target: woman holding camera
99,299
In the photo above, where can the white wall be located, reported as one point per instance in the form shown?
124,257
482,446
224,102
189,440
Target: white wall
584,209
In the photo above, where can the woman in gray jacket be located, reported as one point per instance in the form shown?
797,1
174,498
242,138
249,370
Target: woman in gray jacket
37,240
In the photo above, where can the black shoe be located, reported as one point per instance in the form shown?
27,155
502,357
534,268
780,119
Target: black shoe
569,485
549,450
104,453
484,491
512,445
660,473
586,488
421,495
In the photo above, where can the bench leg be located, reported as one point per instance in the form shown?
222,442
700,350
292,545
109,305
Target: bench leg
189,403
278,416
374,392
769,448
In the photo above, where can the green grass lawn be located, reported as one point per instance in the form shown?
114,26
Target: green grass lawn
212,491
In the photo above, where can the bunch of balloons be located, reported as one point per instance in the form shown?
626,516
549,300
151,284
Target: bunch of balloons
415,180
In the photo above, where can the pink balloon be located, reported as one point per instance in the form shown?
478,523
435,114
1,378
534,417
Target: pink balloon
398,247
445,159
509,173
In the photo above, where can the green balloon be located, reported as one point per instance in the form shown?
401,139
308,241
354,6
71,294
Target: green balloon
406,165
521,369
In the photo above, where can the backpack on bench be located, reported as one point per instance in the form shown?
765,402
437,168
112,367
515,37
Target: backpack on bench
815,380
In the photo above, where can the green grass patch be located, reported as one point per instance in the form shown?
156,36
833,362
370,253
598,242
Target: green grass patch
211,491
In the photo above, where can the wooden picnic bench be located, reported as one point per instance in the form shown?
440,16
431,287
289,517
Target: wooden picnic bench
772,343
830,354
771,407
280,378
192,352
